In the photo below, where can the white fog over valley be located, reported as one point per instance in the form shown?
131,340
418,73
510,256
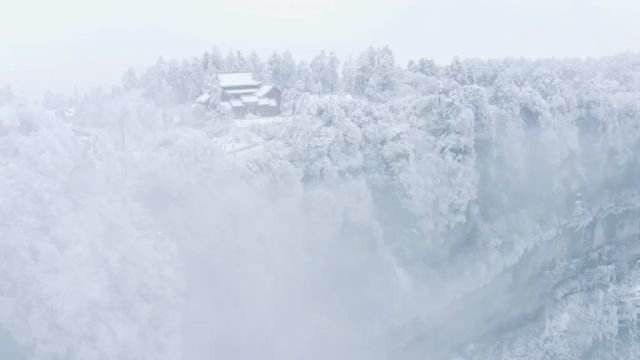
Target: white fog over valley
293,180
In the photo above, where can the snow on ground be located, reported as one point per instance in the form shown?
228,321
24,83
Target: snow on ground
252,122
247,137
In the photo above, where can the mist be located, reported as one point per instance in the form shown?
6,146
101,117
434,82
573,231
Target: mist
338,180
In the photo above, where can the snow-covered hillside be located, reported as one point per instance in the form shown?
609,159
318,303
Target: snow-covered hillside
479,210
246,138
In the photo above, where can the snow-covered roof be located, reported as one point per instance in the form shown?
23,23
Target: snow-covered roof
203,98
264,90
237,79
241,91
236,103
248,99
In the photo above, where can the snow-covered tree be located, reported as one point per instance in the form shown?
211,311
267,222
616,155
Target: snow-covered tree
375,72
130,79
282,70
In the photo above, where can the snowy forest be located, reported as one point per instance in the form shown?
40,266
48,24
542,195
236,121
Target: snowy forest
482,209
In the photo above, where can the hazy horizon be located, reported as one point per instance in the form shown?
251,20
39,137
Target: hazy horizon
76,44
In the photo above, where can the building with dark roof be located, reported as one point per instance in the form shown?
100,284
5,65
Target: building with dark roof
243,95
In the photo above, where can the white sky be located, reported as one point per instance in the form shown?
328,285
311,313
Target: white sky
62,44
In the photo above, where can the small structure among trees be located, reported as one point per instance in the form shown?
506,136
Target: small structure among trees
242,95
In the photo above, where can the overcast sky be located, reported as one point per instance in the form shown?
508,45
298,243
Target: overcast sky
62,44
